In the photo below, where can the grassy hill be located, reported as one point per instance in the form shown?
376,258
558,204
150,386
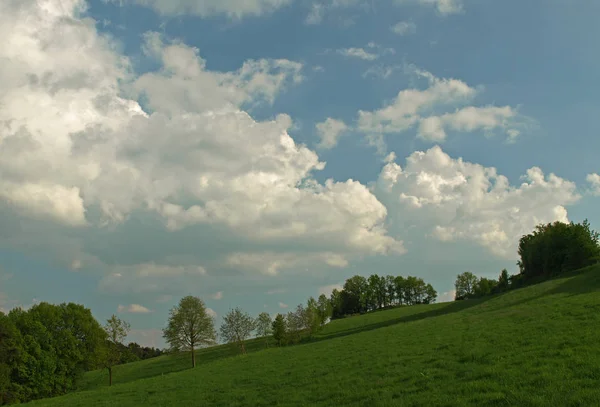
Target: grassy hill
536,346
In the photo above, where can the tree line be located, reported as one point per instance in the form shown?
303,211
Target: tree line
551,250
360,294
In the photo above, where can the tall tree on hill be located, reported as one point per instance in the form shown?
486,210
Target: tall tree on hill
325,309
354,295
190,327
390,290
337,304
503,280
237,326
465,285
264,326
556,248
279,330
117,331
11,354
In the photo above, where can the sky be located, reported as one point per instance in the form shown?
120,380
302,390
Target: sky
258,152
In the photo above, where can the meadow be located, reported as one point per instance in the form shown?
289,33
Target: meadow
534,346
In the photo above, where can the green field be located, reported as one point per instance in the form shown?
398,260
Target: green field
536,346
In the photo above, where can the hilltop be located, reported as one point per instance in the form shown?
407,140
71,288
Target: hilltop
534,346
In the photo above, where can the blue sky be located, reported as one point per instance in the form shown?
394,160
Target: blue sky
256,153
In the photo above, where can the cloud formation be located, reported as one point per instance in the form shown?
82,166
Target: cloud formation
234,9
133,309
80,159
451,199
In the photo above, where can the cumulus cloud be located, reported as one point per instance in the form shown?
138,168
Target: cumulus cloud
235,9
282,305
404,28
83,166
447,296
594,181
421,108
217,296
133,309
329,132
456,200
211,312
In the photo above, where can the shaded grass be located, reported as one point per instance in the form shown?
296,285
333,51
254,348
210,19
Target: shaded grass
536,346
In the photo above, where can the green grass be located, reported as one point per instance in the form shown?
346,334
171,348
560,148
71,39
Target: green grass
536,346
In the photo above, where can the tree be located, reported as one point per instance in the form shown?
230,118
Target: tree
354,295
337,305
311,318
556,248
264,326
189,327
117,331
279,330
430,295
485,286
503,280
237,327
400,287
11,351
325,310
465,285
390,289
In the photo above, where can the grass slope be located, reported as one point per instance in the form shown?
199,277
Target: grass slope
537,346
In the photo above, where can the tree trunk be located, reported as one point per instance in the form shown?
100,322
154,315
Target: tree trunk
110,376
193,357
243,347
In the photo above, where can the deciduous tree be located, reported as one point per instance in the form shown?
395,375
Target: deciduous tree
189,327
264,326
116,330
237,326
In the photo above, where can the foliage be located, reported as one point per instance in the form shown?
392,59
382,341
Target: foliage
324,309
557,248
264,326
44,351
237,326
536,346
189,327
279,330
116,330
465,285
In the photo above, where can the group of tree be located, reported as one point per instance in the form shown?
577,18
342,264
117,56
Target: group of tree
45,350
360,294
550,250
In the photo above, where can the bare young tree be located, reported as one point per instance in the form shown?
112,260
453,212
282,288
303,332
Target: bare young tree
117,331
264,326
237,327
190,327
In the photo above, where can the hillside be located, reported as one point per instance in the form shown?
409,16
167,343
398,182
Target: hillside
536,346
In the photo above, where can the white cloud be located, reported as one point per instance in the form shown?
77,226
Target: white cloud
443,7
235,9
455,200
594,181
470,119
359,53
329,132
415,107
315,16
328,289
217,296
80,163
271,263
282,305
211,312
147,337
133,309
404,28
446,296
